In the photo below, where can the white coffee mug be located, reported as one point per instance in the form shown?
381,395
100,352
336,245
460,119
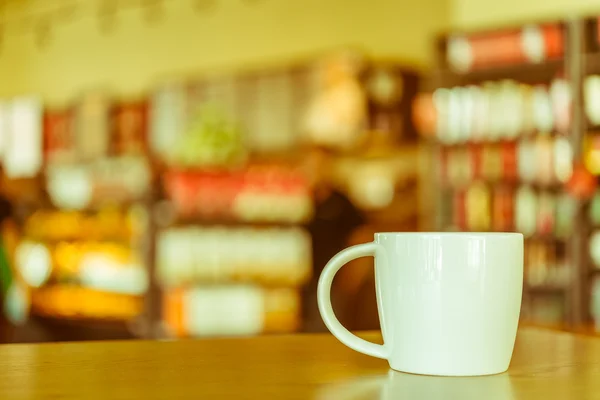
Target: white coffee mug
448,303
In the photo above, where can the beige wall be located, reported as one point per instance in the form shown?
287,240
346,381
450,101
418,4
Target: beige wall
235,34
481,13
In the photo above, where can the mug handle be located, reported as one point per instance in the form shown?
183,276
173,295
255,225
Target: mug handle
324,300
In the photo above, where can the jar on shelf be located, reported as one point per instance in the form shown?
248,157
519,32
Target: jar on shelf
525,161
503,209
526,210
566,207
546,214
478,207
542,109
509,162
543,160
562,159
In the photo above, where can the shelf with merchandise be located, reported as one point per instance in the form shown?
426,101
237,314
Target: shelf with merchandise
503,141
244,135
271,256
256,194
231,310
232,233
506,51
591,126
232,239
105,224
502,117
538,215
506,184
105,182
105,266
531,73
83,304
74,261
496,111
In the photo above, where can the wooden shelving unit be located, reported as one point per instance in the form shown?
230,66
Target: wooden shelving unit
534,66
390,138
580,59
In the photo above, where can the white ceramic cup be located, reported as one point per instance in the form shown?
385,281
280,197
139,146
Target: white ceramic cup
448,303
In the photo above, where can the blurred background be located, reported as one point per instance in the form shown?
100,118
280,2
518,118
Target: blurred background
185,168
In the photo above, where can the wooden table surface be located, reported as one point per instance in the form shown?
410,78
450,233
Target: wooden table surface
546,365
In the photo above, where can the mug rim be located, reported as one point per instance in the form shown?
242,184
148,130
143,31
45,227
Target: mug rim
484,234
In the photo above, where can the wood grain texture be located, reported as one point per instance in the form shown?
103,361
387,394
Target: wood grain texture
546,365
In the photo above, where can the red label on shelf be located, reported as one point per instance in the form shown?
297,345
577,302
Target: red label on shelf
509,161
92,130
215,193
553,40
530,44
503,210
58,134
475,156
546,213
497,48
129,128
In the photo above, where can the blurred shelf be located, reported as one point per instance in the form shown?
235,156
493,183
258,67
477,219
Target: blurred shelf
44,328
298,155
501,141
514,185
100,323
191,221
123,242
76,302
549,303
592,63
76,280
550,290
408,149
97,206
525,73
40,330
547,239
265,282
